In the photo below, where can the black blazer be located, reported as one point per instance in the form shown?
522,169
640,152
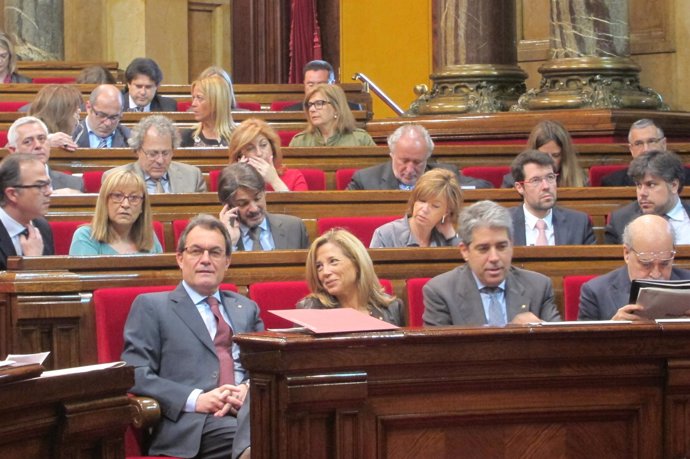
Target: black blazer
7,248
158,104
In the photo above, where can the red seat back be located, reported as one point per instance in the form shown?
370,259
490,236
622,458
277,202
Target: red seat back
92,181
160,233
53,80
213,180
183,105
571,294
286,137
280,105
11,105
251,106
315,178
415,300
62,235
343,177
3,139
596,173
178,228
362,227
493,174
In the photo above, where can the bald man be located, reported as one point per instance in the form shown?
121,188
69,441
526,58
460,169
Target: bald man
648,251
102,128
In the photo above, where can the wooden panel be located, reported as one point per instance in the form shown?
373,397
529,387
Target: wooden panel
200,47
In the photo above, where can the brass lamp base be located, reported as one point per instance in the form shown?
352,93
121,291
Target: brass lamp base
476,88
590,82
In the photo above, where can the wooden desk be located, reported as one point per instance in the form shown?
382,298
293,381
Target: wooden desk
74,416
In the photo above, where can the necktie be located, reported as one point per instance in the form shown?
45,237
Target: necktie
223,344
541,233
495,310
103,143
254,236
159,186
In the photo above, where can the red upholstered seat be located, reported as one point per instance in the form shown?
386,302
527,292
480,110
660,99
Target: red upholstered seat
213,180
3,139
362,227
160,233
315,178
53,80
62,235
178,228
415,300
343,177
596,173
11,105
493,174
280,105
92,181
183,105
571,294
286,137
251,106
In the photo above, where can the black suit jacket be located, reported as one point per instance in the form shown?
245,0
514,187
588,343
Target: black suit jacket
7,248
381,177
613,233
158,104
122,134
570,227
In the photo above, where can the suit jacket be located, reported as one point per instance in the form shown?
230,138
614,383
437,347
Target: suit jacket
7,248
289,233
61,180
613,233
452,298
158,103
172,352
570,227
122,134
602,296
621,178
183,178
381,177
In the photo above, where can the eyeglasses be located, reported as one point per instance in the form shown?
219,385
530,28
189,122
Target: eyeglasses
133,199
648,258
649,142
318,104
536,181
215,253
43,186
153,154
105,116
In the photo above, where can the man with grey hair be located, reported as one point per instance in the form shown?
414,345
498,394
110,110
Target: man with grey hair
648,251
487,290
410,149
153,140
29,135
658,176
102,128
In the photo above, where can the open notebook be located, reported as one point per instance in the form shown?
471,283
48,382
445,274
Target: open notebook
339,320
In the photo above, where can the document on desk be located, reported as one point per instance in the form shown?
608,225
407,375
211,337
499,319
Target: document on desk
338,320
664,303
83,369
28,359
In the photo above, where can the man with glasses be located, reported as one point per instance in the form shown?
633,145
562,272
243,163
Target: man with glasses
180,345
658,178
25,199
648,251
153,140
29,135
538,221
317,72
102,128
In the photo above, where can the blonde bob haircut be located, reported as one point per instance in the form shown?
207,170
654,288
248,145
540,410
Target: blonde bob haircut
217,93
246,132
438,183
7,44
369,288
335,96
56,105
570,174
141,232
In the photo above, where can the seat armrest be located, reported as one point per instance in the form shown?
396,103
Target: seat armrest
146,411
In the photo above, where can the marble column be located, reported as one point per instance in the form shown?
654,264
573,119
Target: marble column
475,59
37,28
590,65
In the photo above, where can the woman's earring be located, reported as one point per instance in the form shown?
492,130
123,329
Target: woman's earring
443,220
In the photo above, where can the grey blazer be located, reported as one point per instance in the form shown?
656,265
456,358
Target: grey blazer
61,180
381,177
571,227
122,134
397,234
289,233
183,177
613,233
171,350
452,298
602,296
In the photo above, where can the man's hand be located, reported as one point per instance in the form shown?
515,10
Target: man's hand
525,318
220,400
229,218
32,245
627,312
62,140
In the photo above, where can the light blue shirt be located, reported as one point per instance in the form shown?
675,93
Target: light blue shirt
265,237
680,222
151,183
14,229
486,298
94,139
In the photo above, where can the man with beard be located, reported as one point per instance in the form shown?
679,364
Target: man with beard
658,177
242,190
538,221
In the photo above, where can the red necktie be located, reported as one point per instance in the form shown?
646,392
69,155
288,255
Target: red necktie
541,233
223,343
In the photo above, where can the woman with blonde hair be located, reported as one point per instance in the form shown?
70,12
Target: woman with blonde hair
58,106
256,143
431,218
8,62
340,274
331,122
211,108
122,223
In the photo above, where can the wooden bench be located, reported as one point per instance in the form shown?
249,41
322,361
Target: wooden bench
61,69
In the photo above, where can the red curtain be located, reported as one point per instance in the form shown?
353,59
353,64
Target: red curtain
305,38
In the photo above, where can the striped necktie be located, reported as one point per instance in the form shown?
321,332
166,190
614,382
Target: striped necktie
103,142
223,344
254,236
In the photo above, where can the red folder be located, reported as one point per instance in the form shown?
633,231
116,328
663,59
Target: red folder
339,320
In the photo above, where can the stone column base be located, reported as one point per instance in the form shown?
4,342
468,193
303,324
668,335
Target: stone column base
590,82
476,88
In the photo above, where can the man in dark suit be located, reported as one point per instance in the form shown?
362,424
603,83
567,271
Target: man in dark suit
102,128
410,148
538,221
242,190
180,345
29,135
24,200
317,72
658,176
143,76
648,251
153,140
487,289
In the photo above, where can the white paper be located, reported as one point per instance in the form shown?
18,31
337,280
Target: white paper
6,363
84,369
580,322
663,303
26,359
